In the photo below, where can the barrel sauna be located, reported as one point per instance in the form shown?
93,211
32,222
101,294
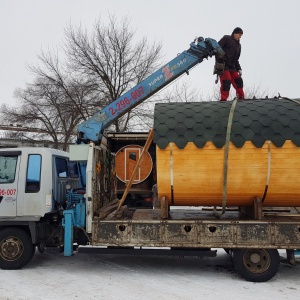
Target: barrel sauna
263,152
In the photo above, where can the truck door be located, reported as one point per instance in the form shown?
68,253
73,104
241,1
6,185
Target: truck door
9,170
32,199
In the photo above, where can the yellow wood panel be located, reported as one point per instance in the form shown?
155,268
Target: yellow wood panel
163,172
208,173
198,174
285,169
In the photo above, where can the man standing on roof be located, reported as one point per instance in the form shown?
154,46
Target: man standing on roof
232,69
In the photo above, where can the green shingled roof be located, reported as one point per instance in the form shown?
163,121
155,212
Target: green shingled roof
257,120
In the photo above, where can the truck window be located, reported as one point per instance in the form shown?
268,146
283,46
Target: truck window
33,177
61,167
8,168
82,173
73,169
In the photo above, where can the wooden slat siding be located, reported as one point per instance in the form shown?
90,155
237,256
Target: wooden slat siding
198,174
285,175
163,172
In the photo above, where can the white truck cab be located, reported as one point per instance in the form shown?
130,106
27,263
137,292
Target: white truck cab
33,189
32,182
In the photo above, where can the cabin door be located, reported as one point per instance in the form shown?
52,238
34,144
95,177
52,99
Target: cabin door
132,156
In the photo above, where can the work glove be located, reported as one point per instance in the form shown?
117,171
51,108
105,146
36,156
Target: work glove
219,68
240,72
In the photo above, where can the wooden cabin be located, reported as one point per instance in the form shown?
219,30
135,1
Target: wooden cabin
196,165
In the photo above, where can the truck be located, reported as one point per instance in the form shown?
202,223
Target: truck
68,200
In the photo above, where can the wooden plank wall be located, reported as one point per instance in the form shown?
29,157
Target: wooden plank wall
198,174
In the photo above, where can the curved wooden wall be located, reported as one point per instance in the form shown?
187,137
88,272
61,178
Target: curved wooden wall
197,174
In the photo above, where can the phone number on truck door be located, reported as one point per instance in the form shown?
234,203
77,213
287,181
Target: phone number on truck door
8,192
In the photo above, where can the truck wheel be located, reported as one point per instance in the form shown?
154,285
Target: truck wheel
256,265
16,248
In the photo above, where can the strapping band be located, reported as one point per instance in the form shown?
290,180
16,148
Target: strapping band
226,152
269,172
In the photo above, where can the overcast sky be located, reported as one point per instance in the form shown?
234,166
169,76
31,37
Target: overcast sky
270,44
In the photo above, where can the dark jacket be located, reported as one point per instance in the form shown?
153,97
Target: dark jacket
232,49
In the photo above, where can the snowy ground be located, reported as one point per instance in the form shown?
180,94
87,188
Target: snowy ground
91,276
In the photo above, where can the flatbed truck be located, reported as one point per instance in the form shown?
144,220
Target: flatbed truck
54,199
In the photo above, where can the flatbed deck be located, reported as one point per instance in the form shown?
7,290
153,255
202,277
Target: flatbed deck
196,228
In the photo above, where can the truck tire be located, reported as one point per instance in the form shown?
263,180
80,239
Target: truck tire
16,248
256,265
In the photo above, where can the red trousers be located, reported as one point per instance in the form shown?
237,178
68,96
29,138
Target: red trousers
228,78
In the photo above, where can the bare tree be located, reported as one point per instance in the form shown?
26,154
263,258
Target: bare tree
53,103
98,67
111,61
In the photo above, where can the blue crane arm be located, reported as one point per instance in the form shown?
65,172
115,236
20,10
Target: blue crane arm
92,129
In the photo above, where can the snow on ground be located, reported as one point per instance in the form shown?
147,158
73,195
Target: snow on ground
90,276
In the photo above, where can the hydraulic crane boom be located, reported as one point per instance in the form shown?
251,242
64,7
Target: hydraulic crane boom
92,129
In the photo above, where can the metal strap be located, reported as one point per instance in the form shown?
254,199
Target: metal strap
294,100
269,172
172,173
226,152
